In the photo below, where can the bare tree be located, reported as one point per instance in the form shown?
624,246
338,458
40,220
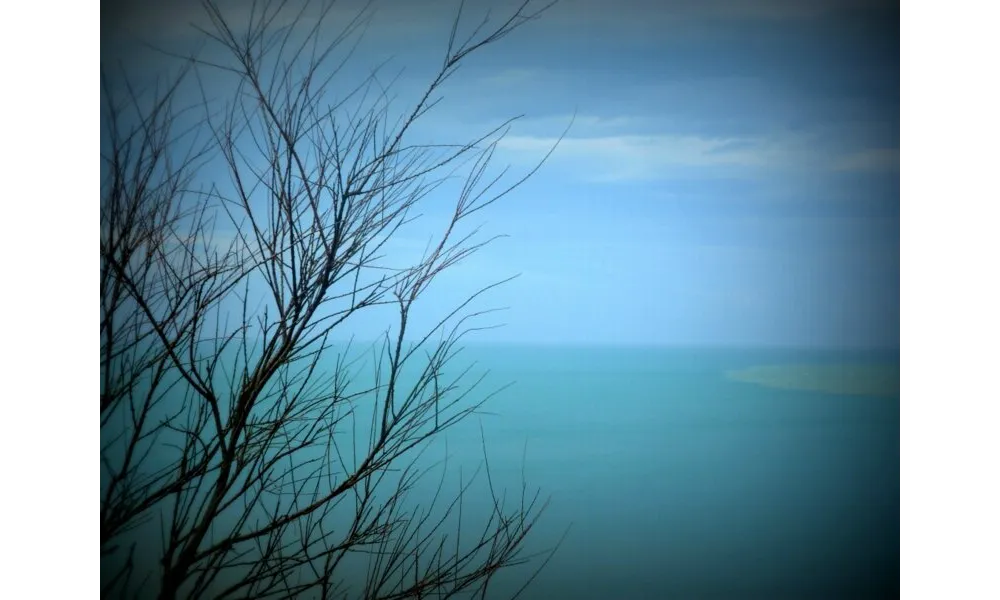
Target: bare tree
241,456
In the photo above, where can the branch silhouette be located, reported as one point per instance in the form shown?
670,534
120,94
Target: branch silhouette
234,431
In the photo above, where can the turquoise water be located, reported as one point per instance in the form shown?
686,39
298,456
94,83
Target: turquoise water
679,482
671,480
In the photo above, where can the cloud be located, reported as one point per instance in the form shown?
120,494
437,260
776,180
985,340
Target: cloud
874,159
513,77
680,16
640,157
634,148
766,10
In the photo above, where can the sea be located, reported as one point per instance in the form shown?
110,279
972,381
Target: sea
671,477
730,473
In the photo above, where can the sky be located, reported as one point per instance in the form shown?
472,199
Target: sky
729,175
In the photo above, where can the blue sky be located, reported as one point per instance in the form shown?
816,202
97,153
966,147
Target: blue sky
731,175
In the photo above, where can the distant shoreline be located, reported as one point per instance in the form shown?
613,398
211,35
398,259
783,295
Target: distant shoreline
846,379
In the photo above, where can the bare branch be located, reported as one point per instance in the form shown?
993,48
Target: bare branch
244,453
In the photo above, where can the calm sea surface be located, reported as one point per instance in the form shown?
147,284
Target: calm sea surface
679,482
670,479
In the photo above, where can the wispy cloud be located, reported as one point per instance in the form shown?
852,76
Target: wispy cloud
513,77
613,157
765,10
637,157
679,16
875,159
